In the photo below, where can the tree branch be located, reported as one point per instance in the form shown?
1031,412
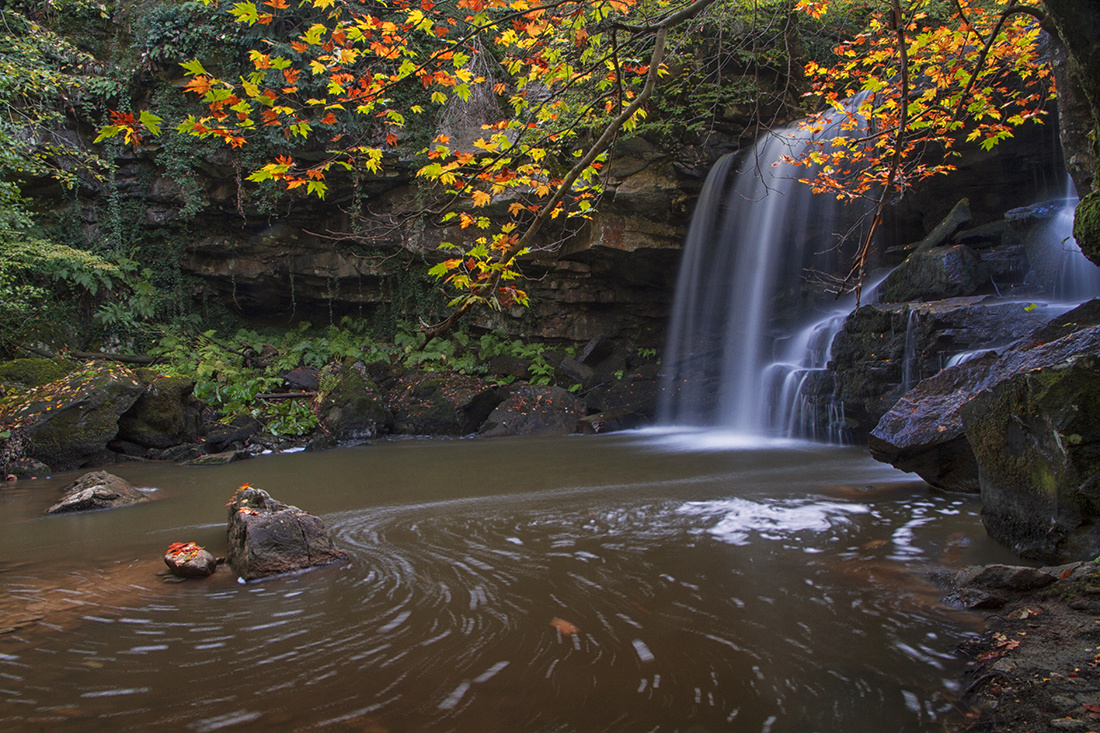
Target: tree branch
602,143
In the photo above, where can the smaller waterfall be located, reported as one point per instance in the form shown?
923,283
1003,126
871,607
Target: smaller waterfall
910,373
1078,279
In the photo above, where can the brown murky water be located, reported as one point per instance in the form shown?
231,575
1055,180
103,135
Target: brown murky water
623,583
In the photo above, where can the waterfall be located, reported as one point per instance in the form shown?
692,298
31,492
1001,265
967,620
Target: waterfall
745,338
910,374
1077,278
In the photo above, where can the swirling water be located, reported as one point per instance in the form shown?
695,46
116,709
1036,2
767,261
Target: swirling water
644,582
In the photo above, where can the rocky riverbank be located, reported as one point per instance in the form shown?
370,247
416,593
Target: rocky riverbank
1037,665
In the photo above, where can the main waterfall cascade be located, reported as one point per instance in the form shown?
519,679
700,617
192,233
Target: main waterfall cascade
742,341
749,348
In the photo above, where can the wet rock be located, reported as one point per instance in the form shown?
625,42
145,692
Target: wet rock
97,490
572,371
610,422
427,403
166,413
881,344
1013,578
923,432
217,459
188,560
628,391
25,468
506,365
70,421
956,219
535,410
935,274
267,537
222,437
1035,438
597,350
354,409
302,379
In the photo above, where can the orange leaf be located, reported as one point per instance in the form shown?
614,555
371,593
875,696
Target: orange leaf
564,626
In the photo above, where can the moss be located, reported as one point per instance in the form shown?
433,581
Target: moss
31,373
1086,226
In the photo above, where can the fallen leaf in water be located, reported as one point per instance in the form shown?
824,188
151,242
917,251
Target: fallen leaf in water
564,626
1090,707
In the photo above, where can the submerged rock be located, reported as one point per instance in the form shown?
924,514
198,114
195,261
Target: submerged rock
97,490
268,537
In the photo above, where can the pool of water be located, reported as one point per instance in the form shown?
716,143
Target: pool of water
637,582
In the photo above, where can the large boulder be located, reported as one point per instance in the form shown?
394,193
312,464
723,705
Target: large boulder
535,410
268,537
934,274
923,432
354,408
1036,441
886,349
97,490
166,413
69,422
433,403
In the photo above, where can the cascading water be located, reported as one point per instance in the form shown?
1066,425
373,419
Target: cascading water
1077,279
742,341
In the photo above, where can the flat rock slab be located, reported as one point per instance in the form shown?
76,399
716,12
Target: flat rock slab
268,537
97,490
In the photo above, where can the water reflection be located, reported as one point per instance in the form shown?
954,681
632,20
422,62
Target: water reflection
631,588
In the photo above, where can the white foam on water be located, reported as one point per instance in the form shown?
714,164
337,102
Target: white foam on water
741,519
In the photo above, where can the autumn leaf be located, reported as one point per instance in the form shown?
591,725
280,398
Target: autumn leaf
563,626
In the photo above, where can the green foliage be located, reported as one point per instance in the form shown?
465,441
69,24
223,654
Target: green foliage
40,76
496,344
47,288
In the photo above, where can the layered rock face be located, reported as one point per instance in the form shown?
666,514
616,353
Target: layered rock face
1023,429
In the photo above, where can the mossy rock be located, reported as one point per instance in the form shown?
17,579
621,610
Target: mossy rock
166,413
70,421
31,373
354,408
1086,226
1036,438
426,403
935,274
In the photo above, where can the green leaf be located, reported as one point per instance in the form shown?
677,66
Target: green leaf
194,68
151,122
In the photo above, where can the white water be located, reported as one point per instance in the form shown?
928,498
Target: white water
733,361
1078,279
